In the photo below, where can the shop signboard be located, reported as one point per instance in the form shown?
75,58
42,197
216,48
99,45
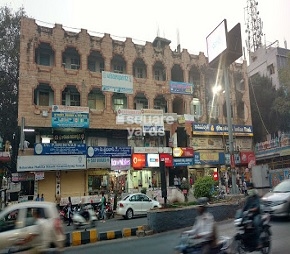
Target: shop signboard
98,162
181,87
209,158
167,158
246,157
120,163
20,177
50,162
69,116
39,176
60,149
152,160
228,159
117,83
182,152
199,143
221,129
142,149
182,162
138,160
128,116
109,151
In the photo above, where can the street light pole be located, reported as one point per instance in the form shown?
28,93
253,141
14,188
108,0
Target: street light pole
234,189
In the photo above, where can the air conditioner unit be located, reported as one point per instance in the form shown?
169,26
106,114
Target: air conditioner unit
45,113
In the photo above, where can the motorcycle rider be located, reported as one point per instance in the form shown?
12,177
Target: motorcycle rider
204,227
252,205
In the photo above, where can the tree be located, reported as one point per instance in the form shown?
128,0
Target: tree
265,117
9,72
282,102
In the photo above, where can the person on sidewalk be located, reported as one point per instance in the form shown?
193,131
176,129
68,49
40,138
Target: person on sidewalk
245,188
69,213
103,207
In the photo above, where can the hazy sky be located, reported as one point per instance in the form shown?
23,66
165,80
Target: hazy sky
141,20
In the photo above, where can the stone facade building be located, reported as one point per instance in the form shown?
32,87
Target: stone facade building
62,77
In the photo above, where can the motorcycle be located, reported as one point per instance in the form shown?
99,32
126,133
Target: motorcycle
108,210
63,214
188,245
243,240
85,216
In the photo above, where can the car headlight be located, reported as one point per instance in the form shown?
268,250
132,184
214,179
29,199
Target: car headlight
280,202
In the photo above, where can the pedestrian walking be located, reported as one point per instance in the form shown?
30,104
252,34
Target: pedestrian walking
175,181
42,197
37,198
103,207
69,213
245,188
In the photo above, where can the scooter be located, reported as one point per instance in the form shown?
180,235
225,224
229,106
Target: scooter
85,216
108,210
243,241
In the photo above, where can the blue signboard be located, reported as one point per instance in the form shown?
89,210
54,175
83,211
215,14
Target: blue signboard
181,87
209,158
70,119
228,159
183,162
60,149
221,129
109,151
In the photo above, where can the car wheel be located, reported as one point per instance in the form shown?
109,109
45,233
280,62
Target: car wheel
129,214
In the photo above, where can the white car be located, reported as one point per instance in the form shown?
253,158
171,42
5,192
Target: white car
277,201
135,204
21,230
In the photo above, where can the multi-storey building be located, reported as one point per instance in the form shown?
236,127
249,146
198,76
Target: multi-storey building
82,98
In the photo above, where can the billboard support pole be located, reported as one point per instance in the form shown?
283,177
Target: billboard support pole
234,189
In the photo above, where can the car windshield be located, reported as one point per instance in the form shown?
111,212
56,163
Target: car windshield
282,187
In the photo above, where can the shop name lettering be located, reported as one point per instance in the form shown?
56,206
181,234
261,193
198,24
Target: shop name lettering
105,149
122,162
222,128
99,160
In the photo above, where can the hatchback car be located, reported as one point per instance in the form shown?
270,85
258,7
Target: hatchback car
277,201
31,226
135,204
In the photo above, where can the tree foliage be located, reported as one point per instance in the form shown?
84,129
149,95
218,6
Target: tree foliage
267,114
203,187
9,69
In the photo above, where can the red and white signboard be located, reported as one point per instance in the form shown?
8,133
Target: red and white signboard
183,152
167,158
248,157
138,160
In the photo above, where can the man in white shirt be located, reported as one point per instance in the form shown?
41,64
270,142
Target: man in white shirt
203,228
